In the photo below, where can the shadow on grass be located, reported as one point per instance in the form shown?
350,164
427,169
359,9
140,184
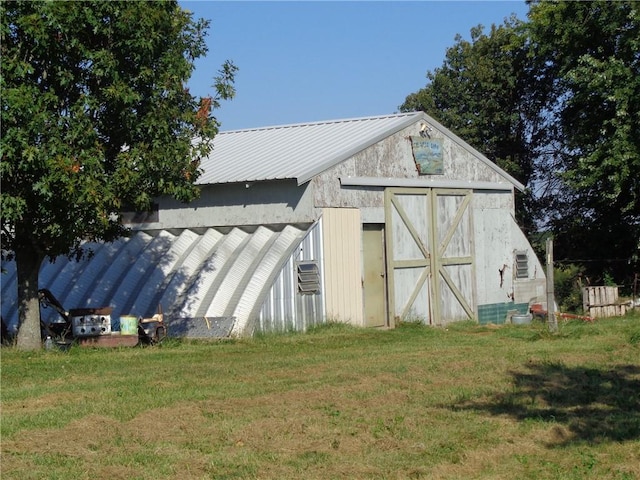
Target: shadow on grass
596,406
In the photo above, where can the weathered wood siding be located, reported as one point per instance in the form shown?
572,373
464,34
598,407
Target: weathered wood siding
600,302
392,157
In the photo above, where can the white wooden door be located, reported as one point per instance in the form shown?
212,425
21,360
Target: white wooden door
430,262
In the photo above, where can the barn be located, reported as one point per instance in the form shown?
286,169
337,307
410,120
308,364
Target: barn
368,221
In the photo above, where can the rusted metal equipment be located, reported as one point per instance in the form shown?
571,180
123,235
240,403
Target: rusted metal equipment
538,311
90,322
92,326
571,316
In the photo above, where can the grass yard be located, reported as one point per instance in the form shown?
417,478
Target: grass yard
467,402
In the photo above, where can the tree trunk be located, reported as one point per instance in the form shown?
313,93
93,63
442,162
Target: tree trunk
28,261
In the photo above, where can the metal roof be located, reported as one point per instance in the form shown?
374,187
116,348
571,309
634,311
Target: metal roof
298,151
302,150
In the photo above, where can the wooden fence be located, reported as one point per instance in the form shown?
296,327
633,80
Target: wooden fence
602,302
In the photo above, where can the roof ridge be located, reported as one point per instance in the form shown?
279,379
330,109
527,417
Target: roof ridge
320,122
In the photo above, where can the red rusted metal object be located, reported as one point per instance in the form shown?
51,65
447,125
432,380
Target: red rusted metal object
538,311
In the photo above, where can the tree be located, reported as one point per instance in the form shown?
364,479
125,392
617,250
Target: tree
96,118
555,101
481,93
588,54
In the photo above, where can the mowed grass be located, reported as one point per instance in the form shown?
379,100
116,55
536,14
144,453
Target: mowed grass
466,402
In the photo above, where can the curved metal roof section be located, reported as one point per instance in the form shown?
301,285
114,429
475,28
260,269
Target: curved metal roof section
298,151
189,275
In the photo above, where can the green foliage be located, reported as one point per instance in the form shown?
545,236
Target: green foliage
555,101
475,93
96,116
567,280
586,54
607,279
96,119
481,93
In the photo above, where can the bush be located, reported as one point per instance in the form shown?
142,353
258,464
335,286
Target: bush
567,281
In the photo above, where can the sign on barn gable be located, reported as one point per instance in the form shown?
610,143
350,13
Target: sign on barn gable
427,154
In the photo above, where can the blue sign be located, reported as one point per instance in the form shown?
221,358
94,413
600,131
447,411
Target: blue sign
427,153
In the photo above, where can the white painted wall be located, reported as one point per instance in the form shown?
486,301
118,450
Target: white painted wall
228,205
498,237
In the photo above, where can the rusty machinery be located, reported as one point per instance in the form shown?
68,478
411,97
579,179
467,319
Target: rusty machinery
82,323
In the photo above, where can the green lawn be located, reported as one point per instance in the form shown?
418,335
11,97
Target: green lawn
470,401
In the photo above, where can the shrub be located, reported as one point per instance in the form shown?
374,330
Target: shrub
567,281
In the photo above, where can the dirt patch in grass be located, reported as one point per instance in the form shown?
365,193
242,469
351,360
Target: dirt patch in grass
41,403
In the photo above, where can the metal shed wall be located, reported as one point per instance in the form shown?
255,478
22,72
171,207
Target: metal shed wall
498,239
189,275
361,181
342,233
233,253
283,308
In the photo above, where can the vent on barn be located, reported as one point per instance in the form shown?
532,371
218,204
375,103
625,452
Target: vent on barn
308,278
522,265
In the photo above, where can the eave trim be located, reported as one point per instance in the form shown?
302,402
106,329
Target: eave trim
423,183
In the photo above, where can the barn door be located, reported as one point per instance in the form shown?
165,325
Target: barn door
374,278
429,255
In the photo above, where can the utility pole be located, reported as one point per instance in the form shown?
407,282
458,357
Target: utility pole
551,314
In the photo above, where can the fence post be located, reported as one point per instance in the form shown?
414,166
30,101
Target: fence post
551,314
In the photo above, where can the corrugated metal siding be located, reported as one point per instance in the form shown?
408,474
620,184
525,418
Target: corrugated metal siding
283,308
210,276
9,302
159,278
141,270
8,285
189,275
297,151
342,239
262,280
185,275
106,286
75,290
239,266
311,308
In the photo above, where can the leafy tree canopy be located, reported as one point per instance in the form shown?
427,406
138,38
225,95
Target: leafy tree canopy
96,118
478,94
555,101
589,52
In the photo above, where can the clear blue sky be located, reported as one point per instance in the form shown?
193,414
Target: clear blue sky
310,61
